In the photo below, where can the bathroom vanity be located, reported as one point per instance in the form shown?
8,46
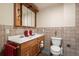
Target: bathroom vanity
27,46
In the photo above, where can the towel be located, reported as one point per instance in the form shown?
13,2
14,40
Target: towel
9,50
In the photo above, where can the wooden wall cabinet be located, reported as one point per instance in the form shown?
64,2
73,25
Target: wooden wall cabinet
25,15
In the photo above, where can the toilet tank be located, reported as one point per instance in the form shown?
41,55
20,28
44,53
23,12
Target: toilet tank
56,41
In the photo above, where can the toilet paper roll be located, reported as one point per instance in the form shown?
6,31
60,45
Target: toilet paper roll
41,45
42,42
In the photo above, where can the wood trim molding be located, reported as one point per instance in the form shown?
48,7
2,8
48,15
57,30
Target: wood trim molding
31,6
35,19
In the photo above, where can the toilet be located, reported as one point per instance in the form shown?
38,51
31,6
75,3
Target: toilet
55,48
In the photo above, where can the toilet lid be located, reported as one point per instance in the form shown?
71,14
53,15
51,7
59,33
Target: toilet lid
55,48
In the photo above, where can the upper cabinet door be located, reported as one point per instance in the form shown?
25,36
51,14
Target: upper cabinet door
17,14
33,19
29,21
24,16
28,17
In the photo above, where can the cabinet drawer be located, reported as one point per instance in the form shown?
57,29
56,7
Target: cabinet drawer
33,41
25,45
40,39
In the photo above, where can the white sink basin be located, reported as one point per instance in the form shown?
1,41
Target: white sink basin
56,38
21,38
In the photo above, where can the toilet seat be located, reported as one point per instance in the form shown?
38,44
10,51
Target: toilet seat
55,50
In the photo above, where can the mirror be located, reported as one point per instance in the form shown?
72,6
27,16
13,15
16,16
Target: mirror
28,17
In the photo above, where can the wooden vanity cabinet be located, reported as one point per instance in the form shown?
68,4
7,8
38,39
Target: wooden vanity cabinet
30,48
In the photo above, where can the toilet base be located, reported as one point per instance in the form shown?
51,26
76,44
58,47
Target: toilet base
51,54
54,55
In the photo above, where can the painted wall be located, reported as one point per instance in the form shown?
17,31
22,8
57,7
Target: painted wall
6,14
57,16
69,14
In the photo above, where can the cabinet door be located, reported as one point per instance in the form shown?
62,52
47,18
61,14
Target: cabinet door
28,17
25,51
29,21
17,14
34,50
24,16
33,19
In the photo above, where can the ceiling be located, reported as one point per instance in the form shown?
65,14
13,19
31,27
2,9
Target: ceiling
45,5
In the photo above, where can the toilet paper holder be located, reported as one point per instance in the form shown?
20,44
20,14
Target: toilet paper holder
68,45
